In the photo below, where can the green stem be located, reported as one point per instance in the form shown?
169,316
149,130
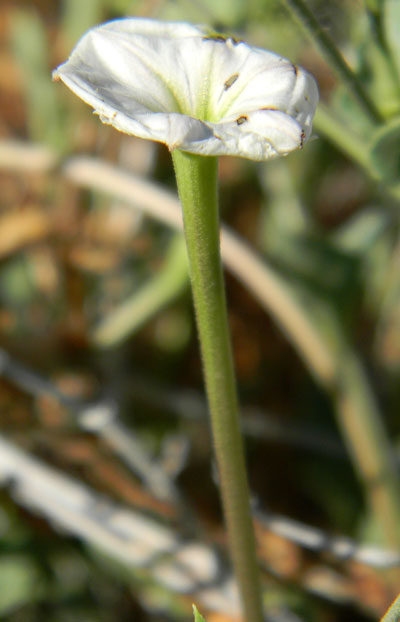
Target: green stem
328,47
146,301
197,179
327,123
393,613
369,447
343,137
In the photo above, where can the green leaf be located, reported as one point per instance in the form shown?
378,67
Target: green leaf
20,582
391,25
226,13
78,17
197,616
385,150
380,76
358,233
147,300
373,6
28,39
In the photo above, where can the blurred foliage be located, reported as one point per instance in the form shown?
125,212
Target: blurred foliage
326,219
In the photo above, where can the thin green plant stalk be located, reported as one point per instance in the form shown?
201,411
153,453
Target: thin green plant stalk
343,137
369,448
305,16
148,300
352,145
393,613
197,180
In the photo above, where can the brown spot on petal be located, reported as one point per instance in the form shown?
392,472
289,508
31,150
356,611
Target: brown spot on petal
219,38
302,138
228,83
242,120
222,38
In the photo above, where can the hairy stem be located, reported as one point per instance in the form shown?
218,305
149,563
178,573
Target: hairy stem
198,191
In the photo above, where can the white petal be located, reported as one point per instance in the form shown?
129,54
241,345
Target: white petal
172,83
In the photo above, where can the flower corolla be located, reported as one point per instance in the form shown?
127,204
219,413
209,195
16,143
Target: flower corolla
192,90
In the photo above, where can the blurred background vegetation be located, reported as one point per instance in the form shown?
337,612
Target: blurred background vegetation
321,413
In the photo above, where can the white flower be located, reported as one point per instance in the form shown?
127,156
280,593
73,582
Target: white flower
202,93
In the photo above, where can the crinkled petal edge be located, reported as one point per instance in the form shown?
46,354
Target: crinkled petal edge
257,135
